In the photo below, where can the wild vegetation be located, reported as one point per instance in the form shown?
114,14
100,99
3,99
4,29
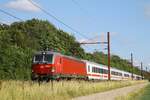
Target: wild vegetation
142,94
64,90
20,40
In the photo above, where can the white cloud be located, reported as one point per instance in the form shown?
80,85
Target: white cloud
136,63
148,64
23,5
90,40
98,38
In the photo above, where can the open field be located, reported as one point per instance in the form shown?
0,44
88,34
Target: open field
27,90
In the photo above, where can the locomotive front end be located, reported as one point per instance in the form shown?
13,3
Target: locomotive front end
42,66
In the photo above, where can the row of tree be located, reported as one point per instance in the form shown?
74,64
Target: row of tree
20,40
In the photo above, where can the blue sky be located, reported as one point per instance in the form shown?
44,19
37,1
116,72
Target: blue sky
128,22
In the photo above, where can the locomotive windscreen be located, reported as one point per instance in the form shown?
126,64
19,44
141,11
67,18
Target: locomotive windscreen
43,58
48,58
38,58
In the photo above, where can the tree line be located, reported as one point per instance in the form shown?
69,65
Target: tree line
20,40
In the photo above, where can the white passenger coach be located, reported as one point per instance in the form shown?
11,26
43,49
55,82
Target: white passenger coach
100,72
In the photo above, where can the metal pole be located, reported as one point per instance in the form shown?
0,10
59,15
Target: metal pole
108,41
132,64
141,70
146,69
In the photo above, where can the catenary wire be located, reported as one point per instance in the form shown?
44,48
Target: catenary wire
58,20
9,14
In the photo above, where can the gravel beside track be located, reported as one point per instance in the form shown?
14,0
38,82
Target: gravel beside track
112,94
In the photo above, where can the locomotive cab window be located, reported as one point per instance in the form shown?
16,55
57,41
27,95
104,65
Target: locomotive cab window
48,58
38,58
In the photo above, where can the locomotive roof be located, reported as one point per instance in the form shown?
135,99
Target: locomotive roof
47,52
57,53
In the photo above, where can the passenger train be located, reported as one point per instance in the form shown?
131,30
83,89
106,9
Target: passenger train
49,65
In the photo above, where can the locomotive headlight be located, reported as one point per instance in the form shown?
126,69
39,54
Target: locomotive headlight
53,69
47,66
41,66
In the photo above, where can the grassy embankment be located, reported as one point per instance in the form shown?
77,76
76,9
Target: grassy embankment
18,90
142,94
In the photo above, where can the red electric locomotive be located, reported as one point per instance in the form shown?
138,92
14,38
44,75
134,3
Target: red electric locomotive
51,65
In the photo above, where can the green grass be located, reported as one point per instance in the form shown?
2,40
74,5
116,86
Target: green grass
145,93
20,90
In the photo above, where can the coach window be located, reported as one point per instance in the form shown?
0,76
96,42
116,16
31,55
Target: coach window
92,69
120,74
116,73
126,75
105,71
101,70
88,68
96,70
112,72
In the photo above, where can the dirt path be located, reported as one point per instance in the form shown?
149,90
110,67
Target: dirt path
112,94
